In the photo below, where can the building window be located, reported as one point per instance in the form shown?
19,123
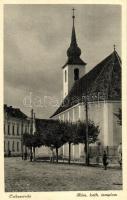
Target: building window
13,129
4,130
8,129
76,74
18,146
65,76
4,146
8,145
22,126
13,146
26,129
17,129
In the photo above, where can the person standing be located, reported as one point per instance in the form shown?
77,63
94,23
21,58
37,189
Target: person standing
105,162
120,154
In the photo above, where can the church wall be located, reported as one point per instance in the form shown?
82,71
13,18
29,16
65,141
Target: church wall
117,129
95,114
102,114
112,130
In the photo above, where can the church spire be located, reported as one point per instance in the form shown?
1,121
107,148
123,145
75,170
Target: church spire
73,36
74,51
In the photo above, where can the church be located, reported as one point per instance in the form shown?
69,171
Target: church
100,87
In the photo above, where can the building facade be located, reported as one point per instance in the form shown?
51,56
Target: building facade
16,123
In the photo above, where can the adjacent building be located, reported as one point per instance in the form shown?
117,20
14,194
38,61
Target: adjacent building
15,124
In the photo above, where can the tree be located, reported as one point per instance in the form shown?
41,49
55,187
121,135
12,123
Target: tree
32,141
53,136
36,143
70,136
93,132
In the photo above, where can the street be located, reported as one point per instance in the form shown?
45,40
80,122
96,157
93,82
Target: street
26,176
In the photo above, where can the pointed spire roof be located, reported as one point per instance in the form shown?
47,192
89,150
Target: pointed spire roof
74,51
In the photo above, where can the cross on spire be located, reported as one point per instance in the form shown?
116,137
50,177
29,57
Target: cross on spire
73,16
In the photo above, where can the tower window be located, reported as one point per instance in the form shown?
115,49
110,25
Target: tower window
65,76
76,74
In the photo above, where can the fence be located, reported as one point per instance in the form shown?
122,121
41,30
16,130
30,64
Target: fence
96,153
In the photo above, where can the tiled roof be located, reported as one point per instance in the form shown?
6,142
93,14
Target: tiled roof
103,82
14,112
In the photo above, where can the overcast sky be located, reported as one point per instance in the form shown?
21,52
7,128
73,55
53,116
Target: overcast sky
36,38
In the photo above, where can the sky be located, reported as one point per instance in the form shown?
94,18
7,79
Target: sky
36,39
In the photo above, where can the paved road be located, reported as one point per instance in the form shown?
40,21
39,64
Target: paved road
23,176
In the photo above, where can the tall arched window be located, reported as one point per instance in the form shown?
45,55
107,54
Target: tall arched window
76,74
65,76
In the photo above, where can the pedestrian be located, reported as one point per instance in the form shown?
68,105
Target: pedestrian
9,153
105,158
31,157
51,155
25,155
120,154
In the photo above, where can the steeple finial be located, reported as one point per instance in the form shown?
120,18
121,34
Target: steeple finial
73,16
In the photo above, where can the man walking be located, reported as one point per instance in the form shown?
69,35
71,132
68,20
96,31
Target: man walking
105,163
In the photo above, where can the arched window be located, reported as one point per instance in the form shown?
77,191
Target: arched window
76,74
65,76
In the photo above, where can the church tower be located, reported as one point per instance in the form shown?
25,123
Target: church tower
74,68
